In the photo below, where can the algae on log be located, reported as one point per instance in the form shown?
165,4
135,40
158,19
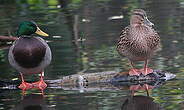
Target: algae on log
109,78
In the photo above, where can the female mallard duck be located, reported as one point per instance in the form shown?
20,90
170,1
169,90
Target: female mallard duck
30,55
138,41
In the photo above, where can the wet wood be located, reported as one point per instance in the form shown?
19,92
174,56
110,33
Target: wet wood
108,80
7,38
110,77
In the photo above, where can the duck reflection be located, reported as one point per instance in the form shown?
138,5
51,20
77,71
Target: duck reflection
33,102
139,103
137,87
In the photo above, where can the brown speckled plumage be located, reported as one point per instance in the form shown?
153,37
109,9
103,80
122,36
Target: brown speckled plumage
139,40
138,43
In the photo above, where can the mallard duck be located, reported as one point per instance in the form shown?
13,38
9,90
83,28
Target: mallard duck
30,55
138,41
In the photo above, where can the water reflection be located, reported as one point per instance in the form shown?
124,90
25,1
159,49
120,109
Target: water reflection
139,103
97,52
131,102
145,87
33,102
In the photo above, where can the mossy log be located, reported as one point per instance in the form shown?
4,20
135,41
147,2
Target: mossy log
109,80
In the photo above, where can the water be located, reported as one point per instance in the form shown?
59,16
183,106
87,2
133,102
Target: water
90,22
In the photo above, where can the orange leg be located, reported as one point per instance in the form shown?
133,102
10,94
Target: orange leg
146,70
134,88
24,85
40,84
146,88
133,71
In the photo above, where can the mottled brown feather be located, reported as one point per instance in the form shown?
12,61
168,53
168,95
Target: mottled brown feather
137,49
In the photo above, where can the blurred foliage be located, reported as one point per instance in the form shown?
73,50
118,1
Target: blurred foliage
2,56
74,4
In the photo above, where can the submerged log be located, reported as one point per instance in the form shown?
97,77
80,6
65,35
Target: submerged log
109,80
7,38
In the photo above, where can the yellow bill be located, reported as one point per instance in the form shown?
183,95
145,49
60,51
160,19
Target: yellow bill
40,32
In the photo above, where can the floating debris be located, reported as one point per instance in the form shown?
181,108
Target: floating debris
81,40
116,17
57,37
58,6
86,20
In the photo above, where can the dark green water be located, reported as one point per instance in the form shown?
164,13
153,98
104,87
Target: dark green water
90,21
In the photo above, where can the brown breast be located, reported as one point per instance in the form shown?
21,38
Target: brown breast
28,52
138,43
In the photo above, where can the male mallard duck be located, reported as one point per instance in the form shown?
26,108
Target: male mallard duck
30,55
138,41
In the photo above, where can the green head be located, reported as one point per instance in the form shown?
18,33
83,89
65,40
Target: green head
28,28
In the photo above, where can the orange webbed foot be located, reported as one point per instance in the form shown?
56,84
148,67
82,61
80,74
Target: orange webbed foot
25,86
134,72
146,71
40,84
